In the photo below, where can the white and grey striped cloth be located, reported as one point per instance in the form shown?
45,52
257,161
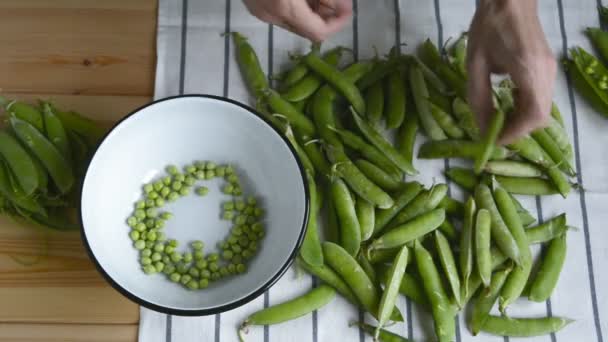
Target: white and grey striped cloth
193,57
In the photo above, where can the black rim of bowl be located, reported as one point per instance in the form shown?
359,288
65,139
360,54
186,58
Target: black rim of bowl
231,305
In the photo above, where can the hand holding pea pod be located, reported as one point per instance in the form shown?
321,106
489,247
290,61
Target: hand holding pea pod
500,35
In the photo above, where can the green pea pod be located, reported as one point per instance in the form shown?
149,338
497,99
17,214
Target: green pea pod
512,168
380,70
549,271
299,105
308,166
406,136
323,104
430,76
448,229
298,71
329,277
294,308
553,150
444,251
295,118
547,230
395,99
85,127
307,86
43,176
27,113
336,79
55,131
523,327
500,232
599,39
378,176
429,54
80,153
459,55
516,281
15,194
368,268
583,68
311,247
409,231
378,140
440,100
489,140
465,178
446,122
482,245
466,120
425,201
368,152
412,288
459,149
393,283
19,163
366,216
452,207
465,257
352,273
383,216
350,232
383,335
249,64
58,168
332,228
316,157
533,186
374,97
360,184
485,301
443,311
421,94
452,79
380,256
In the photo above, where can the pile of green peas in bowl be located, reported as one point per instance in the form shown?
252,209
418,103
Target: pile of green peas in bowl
193,268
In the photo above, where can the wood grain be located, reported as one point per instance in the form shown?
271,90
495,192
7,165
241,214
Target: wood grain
67,333
77,46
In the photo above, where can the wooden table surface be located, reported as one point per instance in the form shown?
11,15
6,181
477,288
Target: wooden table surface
96,57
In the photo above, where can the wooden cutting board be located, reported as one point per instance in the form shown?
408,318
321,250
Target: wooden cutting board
98,58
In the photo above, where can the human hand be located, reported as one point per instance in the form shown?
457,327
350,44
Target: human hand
300,18
506,37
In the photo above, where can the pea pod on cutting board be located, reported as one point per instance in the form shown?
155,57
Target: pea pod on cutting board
19,162
25,112
58,168
55,132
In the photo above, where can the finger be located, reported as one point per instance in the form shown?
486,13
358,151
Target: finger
304,21
480,90
528,114
532,95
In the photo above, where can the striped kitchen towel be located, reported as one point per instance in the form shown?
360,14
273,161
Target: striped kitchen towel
194,57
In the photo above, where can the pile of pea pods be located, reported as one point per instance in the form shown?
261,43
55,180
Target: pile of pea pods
588,73
383,237
43,155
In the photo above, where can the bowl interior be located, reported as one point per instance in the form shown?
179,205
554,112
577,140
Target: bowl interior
180,131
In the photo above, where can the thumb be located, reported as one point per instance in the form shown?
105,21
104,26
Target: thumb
480,90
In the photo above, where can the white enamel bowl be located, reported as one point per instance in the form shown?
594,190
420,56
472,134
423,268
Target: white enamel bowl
179,131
